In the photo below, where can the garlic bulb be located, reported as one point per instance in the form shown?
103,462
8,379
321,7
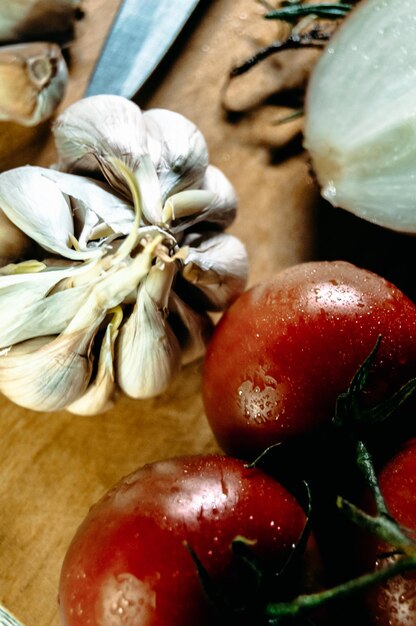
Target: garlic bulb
33,80
361,115
36,18
122,267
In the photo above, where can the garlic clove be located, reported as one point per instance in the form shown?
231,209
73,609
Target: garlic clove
46,374
95,128
48,315
33,80
215,203
36,205
90,133
37,310
193,329
98,397
217,264
360,116
148,353
93,204
23,267
223,209
183,154
186,203
36,18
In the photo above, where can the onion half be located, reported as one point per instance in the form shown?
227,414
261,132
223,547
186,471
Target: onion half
360,127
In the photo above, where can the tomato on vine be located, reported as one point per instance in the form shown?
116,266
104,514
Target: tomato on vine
285,350
128,565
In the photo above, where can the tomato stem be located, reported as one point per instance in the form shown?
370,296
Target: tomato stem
366,467
275,612
383,526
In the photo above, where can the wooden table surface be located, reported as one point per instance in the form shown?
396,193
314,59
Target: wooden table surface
54,466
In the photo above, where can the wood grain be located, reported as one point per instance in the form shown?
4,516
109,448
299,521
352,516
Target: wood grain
54,466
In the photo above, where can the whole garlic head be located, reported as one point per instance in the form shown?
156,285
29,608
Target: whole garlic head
33,81
126,262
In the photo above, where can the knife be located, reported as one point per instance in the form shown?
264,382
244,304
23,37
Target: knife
140,36
7,619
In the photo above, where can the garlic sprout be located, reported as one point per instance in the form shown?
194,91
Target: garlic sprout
361,115
33,79
113,274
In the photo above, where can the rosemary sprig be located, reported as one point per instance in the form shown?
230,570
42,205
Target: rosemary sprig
293,42
293,12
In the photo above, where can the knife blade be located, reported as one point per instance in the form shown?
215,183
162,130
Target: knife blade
140,36
7,619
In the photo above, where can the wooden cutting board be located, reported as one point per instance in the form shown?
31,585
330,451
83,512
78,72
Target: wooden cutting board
54,466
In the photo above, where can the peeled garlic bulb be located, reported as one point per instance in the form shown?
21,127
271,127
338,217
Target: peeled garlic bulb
361,115
33,80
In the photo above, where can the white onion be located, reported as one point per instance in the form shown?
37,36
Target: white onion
361,115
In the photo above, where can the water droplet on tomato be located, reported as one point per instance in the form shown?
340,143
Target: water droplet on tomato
260,399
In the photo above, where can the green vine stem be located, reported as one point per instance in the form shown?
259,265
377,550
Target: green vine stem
366,467
355,418
276,612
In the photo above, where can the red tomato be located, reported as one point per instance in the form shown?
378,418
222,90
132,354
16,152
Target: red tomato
394,602
286,349
127,564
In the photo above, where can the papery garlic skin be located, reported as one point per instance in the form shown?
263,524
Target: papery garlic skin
37,309
182,155
361,115
195,328
216,264
47,374
99,396
128,261
94,130
36,204
33,81
36,18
